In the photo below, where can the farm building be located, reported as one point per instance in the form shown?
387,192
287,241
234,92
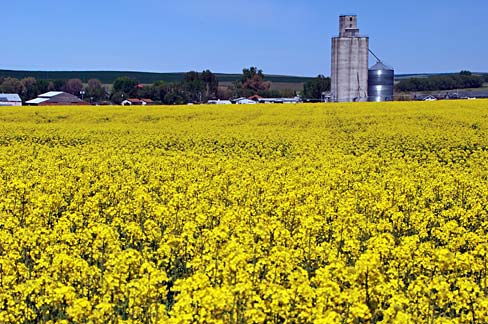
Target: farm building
219,102
10,99
259,99
137,102
280,100
243,101
56,98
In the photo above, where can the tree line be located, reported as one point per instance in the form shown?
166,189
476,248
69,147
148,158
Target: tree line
463,80
314,89
30,88
196,87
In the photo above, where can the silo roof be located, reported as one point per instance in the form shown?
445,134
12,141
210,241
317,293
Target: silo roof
381,66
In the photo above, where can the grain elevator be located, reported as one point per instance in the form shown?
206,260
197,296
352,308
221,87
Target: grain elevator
349,75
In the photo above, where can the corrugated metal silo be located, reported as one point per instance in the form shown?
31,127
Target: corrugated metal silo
381,82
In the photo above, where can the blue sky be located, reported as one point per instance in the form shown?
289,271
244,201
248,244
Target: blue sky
279,36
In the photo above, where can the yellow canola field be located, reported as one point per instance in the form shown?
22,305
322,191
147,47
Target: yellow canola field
313,213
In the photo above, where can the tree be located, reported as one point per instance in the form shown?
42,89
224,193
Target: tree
313,89
191,76
44,86
211,84
176,95
199,87
73,86
30,88
160,91
253,79
118,96
125,85
248,74
12,85
58,85
224,93
239,91
95,90
149,92
463,80
193,86
275,93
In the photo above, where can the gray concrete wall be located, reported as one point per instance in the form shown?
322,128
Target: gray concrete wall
349,75
346,24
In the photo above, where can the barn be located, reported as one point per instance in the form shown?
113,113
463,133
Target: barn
56,98
10,99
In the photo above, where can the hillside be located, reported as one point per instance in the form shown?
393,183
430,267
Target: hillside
399,77
108,77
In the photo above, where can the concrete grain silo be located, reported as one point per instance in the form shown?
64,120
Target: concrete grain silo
349,75
381,82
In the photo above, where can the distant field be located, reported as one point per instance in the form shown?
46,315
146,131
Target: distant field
399,77
468,92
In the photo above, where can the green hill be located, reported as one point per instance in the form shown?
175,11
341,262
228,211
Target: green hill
108,77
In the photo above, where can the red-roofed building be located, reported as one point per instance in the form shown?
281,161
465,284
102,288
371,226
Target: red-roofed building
255,98
137,102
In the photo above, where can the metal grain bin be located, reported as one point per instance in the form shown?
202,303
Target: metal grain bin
381,79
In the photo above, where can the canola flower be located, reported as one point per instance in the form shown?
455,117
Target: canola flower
311,213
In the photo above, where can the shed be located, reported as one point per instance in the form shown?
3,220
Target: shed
10,99
219,102
56,98
243,101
